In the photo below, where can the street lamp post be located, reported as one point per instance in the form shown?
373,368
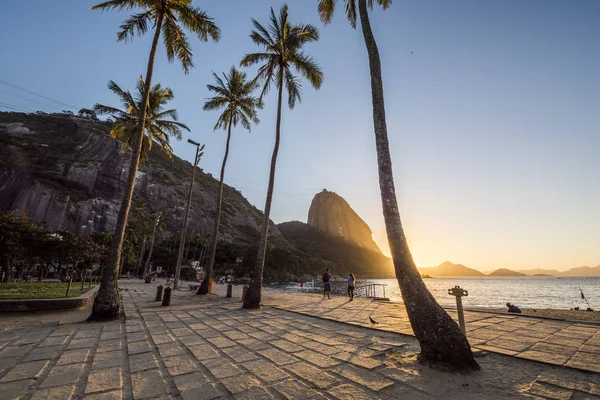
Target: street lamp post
199,154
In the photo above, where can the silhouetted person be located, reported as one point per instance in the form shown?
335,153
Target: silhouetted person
351,280
326,283
513,309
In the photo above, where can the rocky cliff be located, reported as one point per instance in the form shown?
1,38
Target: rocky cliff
58,168
331,214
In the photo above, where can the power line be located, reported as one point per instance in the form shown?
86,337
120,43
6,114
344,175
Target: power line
15,108
37,94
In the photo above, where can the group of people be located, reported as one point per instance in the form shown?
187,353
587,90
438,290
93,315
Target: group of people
327,278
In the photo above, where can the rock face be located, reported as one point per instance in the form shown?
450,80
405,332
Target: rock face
331,214
69,172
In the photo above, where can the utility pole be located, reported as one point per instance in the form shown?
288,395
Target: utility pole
199,154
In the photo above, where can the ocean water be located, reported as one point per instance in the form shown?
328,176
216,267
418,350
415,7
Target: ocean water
529,292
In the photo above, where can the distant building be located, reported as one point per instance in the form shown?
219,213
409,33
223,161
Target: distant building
87,113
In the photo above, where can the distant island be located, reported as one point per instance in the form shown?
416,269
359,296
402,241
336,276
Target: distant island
447,269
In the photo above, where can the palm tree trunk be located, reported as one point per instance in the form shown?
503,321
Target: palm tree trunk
6,268
253,296
203,289
106,304
440,337
196,248
138,262
149,257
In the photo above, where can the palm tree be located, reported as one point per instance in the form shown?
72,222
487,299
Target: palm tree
281,45
166,17
439,336
158,128
233,93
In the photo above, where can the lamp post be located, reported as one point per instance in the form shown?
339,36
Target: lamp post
199,154
147,265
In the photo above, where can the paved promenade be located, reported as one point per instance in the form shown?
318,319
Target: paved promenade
207,347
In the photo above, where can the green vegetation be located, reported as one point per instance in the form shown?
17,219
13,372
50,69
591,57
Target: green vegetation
41,290
281,46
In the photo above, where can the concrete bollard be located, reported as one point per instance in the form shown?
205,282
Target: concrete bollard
244,291
459,293
229,290
147,279
166,301
159,293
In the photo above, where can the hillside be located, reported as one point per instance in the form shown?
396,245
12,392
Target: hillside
505,272
449,269
343,256
577,271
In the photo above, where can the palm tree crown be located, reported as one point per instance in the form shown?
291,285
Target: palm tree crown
172,14
234,93
160,124
282,48
327,7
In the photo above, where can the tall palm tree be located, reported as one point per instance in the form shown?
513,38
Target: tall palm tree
166,17
439,336
281,44
233,94
158,126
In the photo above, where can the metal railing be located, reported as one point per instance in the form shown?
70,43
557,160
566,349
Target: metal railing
371,291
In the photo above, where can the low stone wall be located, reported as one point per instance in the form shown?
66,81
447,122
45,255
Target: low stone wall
48,304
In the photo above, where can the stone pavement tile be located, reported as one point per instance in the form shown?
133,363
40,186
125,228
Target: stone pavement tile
6,364
499,350
111,326
486,333
190,381
103,379
179,365
264,336
400,391
14,390
221,342
294,338
73,356
157,330
112,395
315,376
264,370
62,375
240,354
550,358
192,340
63,331
221,368
548,391
203,352
42,353
286,345
109,345
554,348
235,335
321,348
141,362
295,390
355,359
208,333
25,370
351,392
53,340
255,393
88,333
81,343
206,392
254,344
237,384
181,332
138,347
317,359
162,338
170,349
587,348
148,384
586,387
29,339
509,344
363,377
110,335
278,357
14,351
107,360
136,337
587,361
534,334
565,340
55,393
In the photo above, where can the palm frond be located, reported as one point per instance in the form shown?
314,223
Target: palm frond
137,24
309,68
326,9
351,12
117,5
198,22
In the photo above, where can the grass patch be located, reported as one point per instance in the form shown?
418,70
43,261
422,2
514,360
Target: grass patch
41,290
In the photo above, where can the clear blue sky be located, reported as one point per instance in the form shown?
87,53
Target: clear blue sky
493,120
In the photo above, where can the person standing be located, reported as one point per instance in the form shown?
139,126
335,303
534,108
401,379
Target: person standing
351,281
327,277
